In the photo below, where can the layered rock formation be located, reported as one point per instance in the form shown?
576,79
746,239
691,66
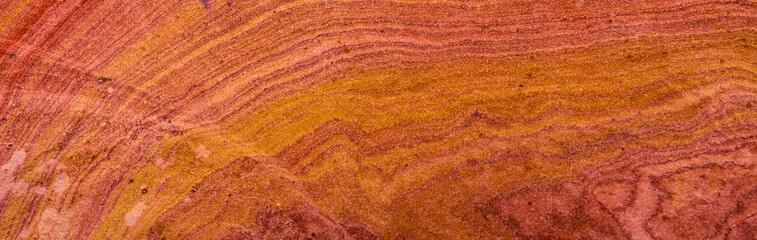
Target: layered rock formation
512,119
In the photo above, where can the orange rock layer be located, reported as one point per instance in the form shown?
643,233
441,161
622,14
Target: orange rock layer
501,119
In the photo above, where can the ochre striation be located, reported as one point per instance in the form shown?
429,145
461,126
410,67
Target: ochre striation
492,119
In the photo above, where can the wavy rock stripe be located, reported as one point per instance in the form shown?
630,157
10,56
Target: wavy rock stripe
511,119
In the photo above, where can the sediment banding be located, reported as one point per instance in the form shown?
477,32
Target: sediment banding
378,119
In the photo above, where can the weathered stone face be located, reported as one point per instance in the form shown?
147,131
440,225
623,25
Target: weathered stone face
391,119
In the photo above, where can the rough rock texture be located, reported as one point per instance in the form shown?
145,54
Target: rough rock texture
385,119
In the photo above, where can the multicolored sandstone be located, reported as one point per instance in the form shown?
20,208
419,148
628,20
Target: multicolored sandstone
400,119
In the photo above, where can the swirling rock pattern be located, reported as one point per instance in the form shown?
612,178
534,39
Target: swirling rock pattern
399,119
